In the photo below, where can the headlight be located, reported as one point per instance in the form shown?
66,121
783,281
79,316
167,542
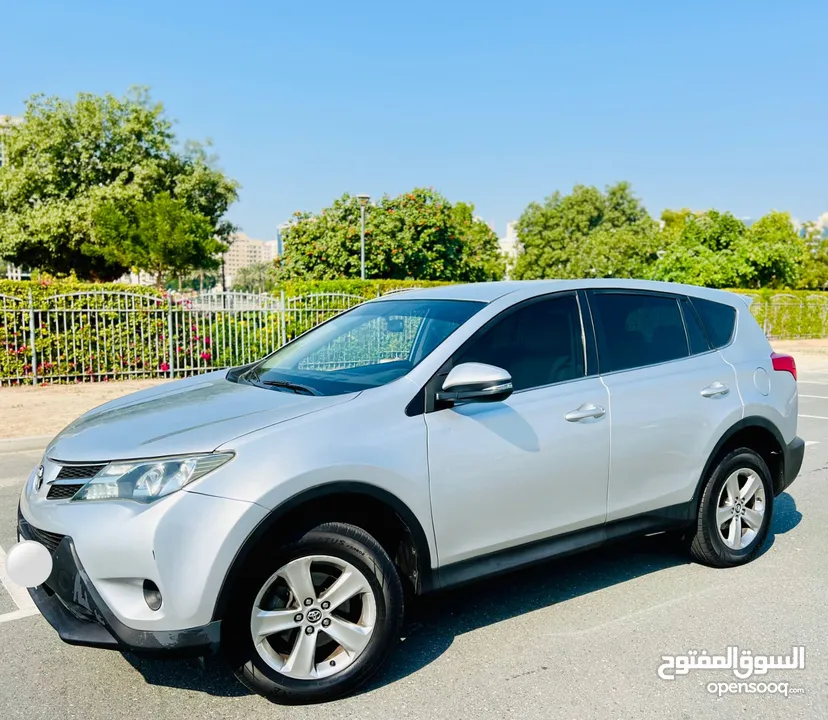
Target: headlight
148,480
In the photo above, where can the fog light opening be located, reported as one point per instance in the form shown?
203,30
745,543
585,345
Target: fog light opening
152,595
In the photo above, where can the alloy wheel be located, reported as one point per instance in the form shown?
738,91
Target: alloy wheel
740,510
313,617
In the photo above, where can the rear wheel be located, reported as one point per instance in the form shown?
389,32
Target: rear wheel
735,511
317,618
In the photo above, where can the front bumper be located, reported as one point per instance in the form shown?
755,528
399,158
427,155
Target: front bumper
793,455
69,602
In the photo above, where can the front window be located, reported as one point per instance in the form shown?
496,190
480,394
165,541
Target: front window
368,346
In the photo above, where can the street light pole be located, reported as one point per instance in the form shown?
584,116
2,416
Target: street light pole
363,201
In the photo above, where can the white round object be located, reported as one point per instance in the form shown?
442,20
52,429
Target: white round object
28,563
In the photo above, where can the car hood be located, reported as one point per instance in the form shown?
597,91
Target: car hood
196,414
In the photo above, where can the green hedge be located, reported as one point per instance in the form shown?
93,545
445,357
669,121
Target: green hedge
364,288
42,289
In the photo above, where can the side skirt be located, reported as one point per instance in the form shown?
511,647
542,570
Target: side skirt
466,571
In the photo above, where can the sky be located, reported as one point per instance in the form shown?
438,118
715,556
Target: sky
697,104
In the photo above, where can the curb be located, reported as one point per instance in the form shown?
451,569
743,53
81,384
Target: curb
21,444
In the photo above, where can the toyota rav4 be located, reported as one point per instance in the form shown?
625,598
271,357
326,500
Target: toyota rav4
283,512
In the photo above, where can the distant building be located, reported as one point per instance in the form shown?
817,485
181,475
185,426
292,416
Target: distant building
137,278
510,246
6,121
244,252
12,272
822,224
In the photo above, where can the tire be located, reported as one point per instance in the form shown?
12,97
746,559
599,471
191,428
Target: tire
330,670
732,527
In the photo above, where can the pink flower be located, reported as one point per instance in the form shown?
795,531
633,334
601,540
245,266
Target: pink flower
165,367
206,356
207,341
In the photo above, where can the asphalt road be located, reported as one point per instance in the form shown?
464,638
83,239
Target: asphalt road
577,638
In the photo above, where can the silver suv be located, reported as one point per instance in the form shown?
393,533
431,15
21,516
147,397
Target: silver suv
283,512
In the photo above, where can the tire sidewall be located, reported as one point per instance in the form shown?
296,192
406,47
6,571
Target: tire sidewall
245,659
740,459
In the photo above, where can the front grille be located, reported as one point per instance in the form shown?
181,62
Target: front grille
50,540
79,472
62,492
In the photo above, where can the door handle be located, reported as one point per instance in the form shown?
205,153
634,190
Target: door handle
715,389
585,411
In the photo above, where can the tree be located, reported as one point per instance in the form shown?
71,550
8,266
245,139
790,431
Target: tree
258,278
700,248
586,233
158,236
68,159
482,258
418,235
624,252
715,249
814,270
773,252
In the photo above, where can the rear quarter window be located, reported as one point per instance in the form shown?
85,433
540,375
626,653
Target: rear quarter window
719,320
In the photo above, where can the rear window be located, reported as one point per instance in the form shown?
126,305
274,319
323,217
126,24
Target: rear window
719,320
634,330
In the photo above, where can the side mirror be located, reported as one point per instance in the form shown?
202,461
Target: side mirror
476,382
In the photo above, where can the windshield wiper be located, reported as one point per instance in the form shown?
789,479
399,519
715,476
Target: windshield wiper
296,387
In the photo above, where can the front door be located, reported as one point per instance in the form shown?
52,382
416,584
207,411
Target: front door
536,464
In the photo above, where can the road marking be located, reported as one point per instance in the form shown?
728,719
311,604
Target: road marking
19,594
815,417
18,614
821,397
811,442
813,382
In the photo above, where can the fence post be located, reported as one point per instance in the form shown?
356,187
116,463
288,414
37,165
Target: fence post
32,338
170,342
282,321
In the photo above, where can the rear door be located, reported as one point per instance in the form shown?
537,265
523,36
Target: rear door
671,396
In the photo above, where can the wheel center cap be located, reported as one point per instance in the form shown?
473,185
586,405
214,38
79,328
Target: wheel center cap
314,615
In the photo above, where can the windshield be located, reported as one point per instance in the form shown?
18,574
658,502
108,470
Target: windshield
368,346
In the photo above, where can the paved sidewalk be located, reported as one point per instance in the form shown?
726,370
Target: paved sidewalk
46,410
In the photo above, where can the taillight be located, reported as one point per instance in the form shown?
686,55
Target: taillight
784,363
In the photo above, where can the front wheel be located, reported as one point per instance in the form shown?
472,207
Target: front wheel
316,619
735,511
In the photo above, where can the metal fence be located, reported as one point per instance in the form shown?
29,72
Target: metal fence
791,317
98,336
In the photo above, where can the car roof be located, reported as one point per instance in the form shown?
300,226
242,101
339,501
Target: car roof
490,291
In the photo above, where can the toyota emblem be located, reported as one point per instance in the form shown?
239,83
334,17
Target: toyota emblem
38,481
